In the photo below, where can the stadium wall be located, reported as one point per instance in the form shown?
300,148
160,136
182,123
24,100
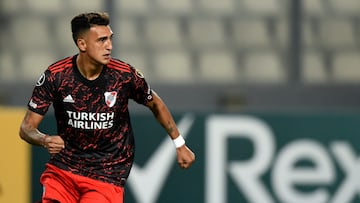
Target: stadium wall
14,158
244,157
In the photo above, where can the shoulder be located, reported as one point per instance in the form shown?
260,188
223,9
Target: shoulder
61,65
118,65
55,69
123,69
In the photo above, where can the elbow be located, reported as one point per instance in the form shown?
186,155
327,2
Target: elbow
22,133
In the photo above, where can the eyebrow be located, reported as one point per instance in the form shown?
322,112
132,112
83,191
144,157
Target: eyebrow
106,37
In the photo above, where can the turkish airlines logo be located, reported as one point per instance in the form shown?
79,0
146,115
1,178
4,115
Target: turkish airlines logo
110,98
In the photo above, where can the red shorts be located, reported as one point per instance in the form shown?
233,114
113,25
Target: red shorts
65,187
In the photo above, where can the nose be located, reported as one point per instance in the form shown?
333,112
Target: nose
109,45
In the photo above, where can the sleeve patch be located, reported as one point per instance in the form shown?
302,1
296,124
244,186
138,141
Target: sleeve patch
139,73
41,80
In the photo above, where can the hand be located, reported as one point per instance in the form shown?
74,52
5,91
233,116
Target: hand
185,157
54,144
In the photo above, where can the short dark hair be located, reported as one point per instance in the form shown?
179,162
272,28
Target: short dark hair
83,22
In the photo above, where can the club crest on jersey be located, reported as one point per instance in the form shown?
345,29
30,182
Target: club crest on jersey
110,98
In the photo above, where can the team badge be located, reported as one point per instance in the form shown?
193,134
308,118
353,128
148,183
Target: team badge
110,98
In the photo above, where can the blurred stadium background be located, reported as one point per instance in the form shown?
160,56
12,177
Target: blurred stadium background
204,56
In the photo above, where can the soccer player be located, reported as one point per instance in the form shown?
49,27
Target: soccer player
93,152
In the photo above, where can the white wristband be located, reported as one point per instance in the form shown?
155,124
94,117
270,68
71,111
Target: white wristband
179,141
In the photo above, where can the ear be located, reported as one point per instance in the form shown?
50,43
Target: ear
81,43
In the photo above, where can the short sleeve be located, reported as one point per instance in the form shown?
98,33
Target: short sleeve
43,94
142,92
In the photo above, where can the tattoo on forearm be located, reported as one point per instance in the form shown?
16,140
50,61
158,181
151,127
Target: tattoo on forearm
163,116
170,128
32,135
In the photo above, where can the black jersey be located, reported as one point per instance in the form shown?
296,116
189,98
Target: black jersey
92,117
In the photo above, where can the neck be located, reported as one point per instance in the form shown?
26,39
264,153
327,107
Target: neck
88,69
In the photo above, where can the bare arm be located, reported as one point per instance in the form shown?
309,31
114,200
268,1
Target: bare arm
185,156
30,133
163,115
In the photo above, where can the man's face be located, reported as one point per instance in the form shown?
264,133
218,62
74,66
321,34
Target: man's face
98,44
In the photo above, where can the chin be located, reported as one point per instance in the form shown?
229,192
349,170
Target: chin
105,61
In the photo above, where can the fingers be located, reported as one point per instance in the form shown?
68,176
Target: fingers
186,163
53,148
185,157
54,144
